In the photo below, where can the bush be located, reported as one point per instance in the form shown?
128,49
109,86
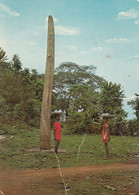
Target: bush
133,128
79,122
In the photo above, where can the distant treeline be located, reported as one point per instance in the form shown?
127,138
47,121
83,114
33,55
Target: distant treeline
77,91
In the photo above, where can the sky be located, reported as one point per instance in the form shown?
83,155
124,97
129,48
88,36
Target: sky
103,33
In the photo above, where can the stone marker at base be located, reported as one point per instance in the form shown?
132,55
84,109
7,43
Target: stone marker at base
45,137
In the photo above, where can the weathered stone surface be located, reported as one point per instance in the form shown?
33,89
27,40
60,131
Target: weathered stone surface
2,137
45,141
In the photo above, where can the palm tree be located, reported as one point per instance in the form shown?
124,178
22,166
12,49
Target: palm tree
3,56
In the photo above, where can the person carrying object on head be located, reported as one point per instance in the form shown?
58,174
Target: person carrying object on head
57,132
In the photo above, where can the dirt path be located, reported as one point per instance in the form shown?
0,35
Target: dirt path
47,181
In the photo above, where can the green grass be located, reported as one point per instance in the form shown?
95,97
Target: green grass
107,183
14,152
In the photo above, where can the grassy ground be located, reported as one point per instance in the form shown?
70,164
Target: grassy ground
14,152
111,183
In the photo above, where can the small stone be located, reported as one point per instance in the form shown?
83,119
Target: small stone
11,137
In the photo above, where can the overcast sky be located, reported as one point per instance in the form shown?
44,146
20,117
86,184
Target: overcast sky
104,33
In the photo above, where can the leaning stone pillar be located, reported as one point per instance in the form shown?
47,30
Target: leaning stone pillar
45,137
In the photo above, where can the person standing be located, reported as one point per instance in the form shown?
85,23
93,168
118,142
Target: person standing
106,136
57,132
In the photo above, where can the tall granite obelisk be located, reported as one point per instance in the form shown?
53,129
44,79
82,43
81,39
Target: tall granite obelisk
45,137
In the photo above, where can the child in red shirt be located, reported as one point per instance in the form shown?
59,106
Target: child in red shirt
57,130
105,136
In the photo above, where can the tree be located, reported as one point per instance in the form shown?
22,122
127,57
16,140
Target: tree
3,56
26,90
21,90
69,74
30,101
16,63
3,63
9,89
133,127
135,105
83,108
83,97
111,101
3,108
37,83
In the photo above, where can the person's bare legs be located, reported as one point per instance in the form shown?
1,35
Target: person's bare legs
107,151
56,146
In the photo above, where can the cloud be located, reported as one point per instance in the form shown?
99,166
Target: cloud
2,16
65,30
133,57
5,42
118,40
84,52
29,43
93,49
36,33
136,22
97,48
7,10
71,47
130,14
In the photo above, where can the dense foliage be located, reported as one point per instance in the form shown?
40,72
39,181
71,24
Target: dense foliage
84,107
20,92
111,101
135,105
70,74
77,91
134,123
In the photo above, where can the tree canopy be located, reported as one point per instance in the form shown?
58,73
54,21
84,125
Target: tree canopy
77,90
69,74
135,105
